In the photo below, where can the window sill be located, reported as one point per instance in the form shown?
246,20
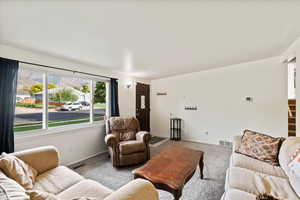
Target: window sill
67,129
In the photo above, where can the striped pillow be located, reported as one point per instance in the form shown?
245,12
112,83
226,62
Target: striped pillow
10,189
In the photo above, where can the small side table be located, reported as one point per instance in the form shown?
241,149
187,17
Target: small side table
175,129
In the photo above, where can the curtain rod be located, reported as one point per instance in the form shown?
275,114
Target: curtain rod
58,68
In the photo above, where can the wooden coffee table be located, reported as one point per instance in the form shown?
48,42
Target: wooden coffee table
171,169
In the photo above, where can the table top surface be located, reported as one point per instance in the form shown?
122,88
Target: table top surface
172,166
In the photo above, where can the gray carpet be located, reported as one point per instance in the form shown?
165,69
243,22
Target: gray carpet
216,161
155,139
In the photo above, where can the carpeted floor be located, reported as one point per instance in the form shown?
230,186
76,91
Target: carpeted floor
216,161
155,140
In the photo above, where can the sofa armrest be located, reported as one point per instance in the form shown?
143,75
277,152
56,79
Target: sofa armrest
111,140
236,142
143,136
41,158
138,189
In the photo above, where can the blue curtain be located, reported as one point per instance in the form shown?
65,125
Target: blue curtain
114,105
8,88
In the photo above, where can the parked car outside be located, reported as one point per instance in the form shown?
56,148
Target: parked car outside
85,103
71,106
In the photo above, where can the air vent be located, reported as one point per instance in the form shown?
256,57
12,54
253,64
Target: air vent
225,143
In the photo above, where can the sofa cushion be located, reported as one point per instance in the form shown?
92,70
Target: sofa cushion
41,195
10,189
131,124
127,135
260,146
288,148
295,164
18,170
56,180
138,189
258,183
239,160
116,124
86,188
234,194
133,146
124,128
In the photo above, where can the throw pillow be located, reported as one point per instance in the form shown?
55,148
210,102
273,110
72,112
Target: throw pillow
10,189
18,170
265,197
125,136
295,164
260,146
41,195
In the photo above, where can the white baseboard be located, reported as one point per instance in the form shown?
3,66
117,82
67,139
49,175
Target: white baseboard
91,156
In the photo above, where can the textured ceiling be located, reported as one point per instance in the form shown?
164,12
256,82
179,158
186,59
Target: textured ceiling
152,39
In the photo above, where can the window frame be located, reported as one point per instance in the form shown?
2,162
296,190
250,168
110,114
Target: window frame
45,130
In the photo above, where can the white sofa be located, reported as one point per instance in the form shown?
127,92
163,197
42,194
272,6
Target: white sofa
67,184
247,177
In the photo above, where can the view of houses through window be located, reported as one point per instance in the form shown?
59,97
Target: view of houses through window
28,111
71,100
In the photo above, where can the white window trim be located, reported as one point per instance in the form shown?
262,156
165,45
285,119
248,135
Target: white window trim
92,84
66,129
53,130
45,113
63,73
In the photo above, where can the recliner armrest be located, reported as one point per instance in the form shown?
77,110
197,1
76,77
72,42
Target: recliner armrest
138,189
143,136
111,140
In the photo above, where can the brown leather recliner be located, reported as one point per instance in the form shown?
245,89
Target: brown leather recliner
127,145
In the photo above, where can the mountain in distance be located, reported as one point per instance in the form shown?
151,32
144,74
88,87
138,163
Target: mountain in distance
26,78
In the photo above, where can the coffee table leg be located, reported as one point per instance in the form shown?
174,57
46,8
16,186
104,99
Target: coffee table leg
201,165
177,194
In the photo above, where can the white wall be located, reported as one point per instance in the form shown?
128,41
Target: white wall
74,143
220,97
79,143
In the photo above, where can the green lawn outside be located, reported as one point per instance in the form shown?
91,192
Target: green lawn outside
100,105
29,128
36,105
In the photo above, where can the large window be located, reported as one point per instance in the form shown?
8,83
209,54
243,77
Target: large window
99,100
28,111
67,100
